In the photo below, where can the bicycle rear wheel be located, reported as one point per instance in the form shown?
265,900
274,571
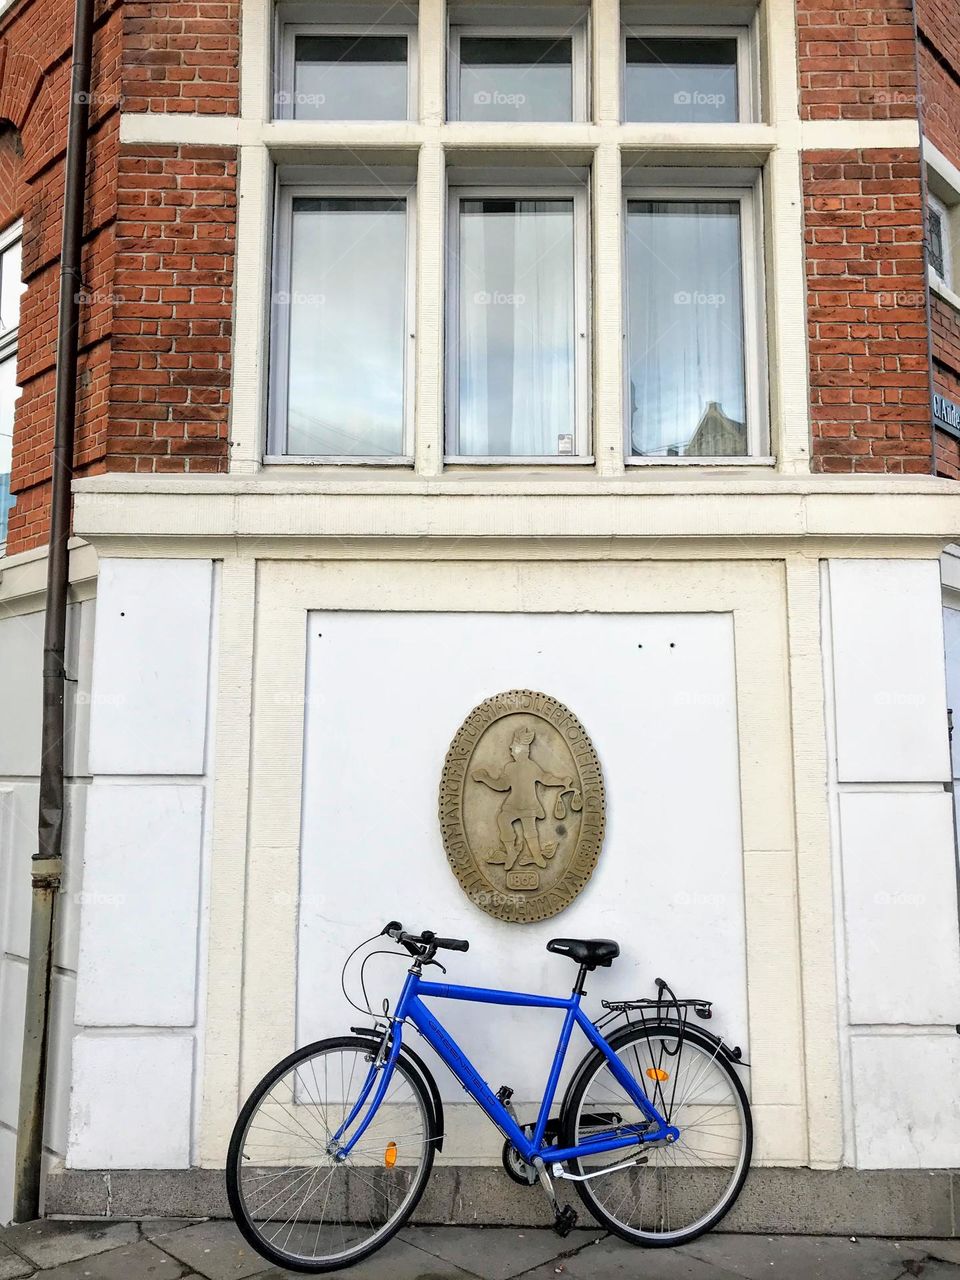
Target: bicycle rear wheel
686,1187
298,1205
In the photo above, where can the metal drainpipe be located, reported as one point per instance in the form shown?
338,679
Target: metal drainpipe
47,862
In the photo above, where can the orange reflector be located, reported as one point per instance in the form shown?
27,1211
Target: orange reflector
390,1155
656,1074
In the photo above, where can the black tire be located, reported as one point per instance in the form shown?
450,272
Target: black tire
640,1041
409,1075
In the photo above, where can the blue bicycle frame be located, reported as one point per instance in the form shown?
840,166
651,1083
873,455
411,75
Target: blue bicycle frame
411,1008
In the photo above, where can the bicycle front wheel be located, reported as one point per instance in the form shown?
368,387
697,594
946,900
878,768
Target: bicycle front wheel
299,1203
685,1187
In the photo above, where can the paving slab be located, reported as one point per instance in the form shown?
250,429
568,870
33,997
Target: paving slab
805,1257
395,1261
12,1266
142,1261
615,1259
215,1250
946,1250
50,1243
150,1228
496,1253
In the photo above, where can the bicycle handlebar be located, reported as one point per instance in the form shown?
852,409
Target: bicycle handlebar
419,943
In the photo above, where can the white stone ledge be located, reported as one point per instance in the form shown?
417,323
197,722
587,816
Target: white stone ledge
664,140
748,510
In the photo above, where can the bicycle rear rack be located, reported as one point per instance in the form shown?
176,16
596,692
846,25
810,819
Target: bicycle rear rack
667,1007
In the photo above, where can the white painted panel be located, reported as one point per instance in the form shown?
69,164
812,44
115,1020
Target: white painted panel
905,1101
130,1103
80,633
387,693
138,924
149,695
56,1116
8,1150
19,833
21,670
951,648
888,671
900,907
13,995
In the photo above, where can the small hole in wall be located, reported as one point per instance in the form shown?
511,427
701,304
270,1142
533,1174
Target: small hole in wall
122,614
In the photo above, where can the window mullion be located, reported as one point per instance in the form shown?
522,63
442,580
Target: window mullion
429,377
606,258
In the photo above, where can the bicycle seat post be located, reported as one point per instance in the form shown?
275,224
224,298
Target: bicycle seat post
581,978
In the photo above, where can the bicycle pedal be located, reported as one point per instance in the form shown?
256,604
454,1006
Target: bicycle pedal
565,1220
504,1094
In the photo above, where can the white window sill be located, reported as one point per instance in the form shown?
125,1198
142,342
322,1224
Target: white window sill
329,460
537,460
943,290
700,462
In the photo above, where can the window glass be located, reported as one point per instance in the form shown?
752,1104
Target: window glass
346,312
8,395
11,286
516,78
687,388
686,80
350,77
935,241
516,348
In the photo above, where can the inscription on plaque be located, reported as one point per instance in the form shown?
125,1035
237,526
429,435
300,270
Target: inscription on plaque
522,806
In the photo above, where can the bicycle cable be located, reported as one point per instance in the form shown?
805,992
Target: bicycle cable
363,987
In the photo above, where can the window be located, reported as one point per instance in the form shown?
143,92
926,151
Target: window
686,77
342,324
938,239
694,354
11,288
512,76
345,73
517,349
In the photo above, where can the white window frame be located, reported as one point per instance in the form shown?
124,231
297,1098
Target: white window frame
287,192
945,213
748,92
754,326
582,455
579,62
9,340
283,103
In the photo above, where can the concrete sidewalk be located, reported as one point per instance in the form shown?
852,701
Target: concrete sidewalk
174,1249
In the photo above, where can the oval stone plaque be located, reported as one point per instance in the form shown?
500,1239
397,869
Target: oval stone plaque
522,806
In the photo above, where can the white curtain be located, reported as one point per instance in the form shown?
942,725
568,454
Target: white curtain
516,327
685,298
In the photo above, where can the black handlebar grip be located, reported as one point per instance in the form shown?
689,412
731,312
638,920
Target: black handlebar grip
391,928
452,944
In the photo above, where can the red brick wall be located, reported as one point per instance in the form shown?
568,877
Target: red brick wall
170,384
941,102
869,365
11,175
35,40
856,61
182,56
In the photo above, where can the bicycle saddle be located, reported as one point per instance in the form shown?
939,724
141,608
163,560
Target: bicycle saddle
589,952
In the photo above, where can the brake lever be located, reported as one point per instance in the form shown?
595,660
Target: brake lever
437,963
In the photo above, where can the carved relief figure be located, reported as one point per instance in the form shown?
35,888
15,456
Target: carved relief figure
522,807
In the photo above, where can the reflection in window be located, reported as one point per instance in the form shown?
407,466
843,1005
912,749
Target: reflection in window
11,288
684,80
346,311
350,77
515,350
686,328
516,78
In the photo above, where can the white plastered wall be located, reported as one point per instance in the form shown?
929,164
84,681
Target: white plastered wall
896,873
142,932
787,895
21,664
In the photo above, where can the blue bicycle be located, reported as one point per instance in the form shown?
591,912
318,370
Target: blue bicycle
333,1149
